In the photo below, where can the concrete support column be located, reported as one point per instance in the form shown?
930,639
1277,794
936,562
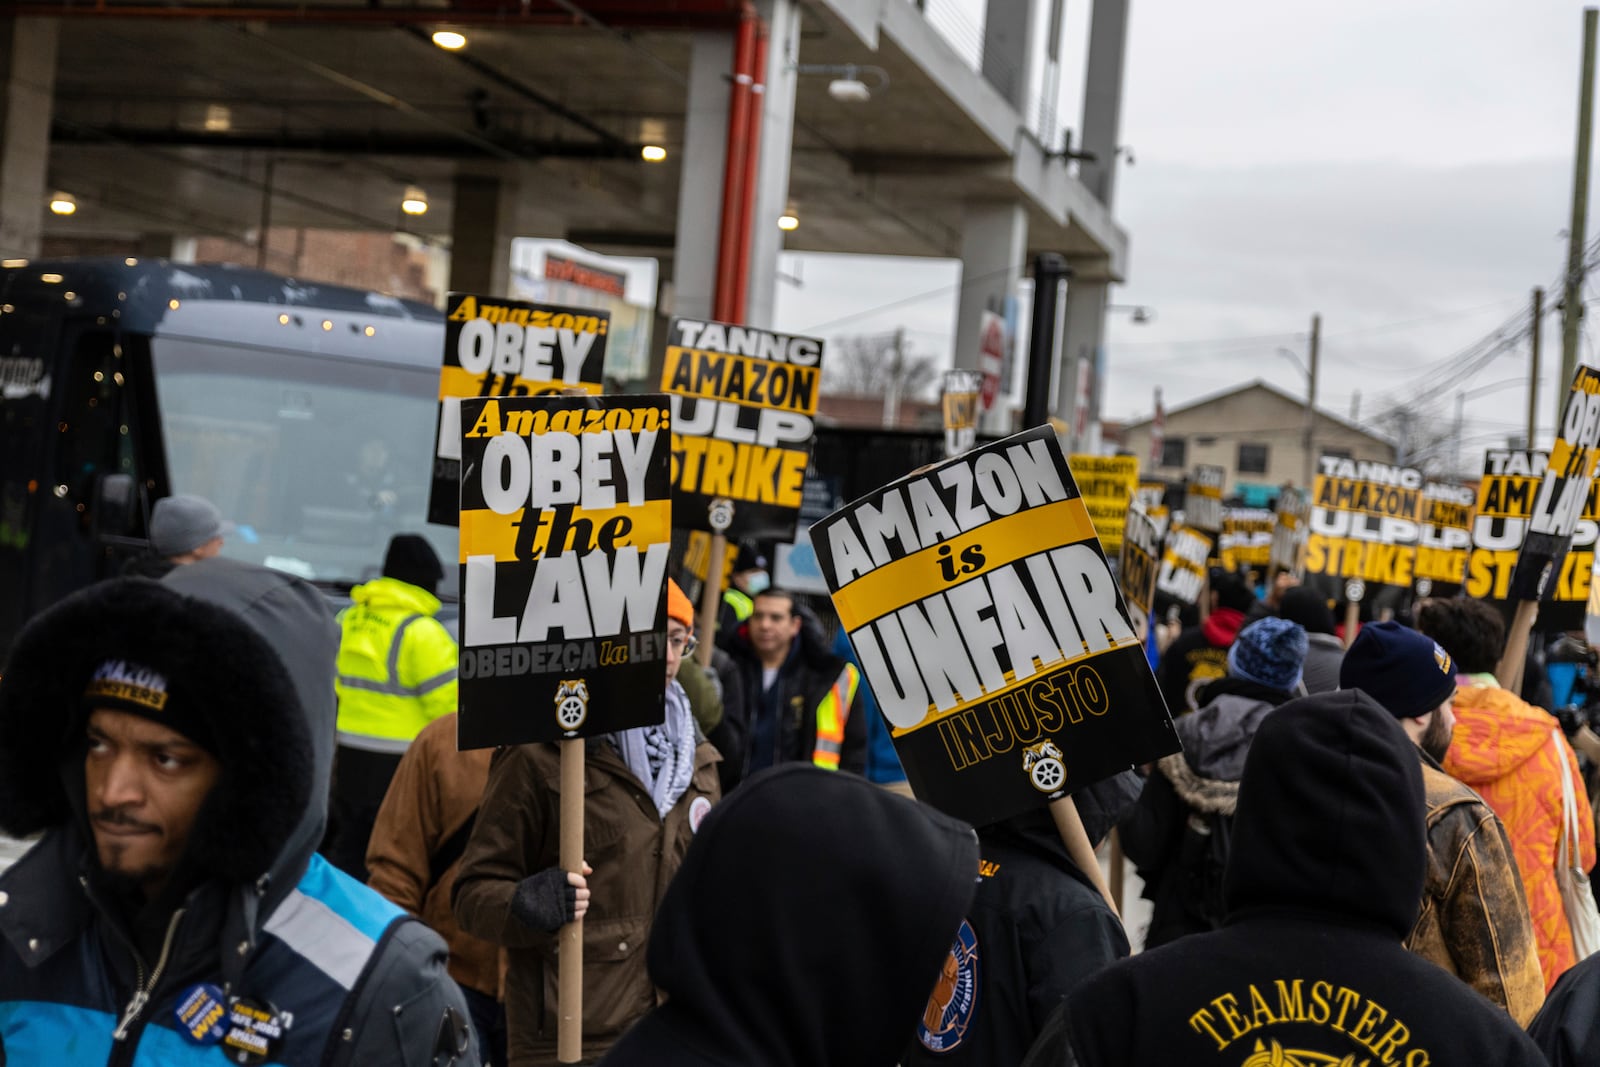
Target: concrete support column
772,169
1102,97
705,147
481,228
1082,350
994,248
27,91
1008,50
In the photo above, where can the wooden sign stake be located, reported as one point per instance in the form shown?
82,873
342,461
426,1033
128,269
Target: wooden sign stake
1508,672
1352,621
721,517
569,1024
1069,824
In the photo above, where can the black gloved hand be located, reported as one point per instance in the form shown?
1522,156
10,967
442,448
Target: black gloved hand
545,901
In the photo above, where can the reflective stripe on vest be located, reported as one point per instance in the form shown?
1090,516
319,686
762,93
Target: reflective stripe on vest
381,714
832,714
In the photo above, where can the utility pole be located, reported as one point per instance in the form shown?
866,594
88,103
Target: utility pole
1461,415
1310,432
1533,364
1572,293
1048,271
897,369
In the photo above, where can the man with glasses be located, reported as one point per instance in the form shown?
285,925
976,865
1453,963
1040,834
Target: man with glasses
803,702
645,793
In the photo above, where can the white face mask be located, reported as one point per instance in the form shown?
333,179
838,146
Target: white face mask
758,582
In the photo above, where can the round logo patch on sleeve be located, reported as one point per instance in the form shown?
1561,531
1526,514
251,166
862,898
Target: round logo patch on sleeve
954,1001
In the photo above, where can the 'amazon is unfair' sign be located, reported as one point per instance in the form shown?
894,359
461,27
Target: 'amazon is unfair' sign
981,608
497,347
743,401
566,530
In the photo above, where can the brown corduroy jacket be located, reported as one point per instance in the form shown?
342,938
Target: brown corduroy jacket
435,790
1474,919
634,854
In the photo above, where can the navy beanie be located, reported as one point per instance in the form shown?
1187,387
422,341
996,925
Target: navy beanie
1270,652
1407,672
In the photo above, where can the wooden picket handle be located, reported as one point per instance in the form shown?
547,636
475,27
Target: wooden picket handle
1352,621
1118,874
1069,824
569,1023
711,600
1508,672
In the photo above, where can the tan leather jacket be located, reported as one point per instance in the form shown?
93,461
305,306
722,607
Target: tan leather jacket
1474,919
634,855
435,790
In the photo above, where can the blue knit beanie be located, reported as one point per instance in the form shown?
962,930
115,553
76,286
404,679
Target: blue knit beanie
1269,652
1405,671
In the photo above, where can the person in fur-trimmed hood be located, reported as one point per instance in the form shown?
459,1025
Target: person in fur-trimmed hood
1177,833
173,911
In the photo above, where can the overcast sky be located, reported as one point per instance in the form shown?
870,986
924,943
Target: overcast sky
1401,166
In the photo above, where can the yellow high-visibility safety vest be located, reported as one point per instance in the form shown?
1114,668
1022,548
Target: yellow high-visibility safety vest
741,604
832,714
396,666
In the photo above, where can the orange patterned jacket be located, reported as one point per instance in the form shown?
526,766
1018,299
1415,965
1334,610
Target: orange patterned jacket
1503,749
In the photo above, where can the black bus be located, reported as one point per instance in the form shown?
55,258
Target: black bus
305,412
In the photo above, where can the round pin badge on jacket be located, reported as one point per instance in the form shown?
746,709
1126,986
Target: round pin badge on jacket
255,1031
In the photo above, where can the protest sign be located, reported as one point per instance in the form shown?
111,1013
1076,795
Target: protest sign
743,401
1289,522
1107,484
1564,489
495,347
1445,538
1141,559
986,620
566,528
1202,505
959,401
1505,501
1246,539
1183,564
1361,544
693,547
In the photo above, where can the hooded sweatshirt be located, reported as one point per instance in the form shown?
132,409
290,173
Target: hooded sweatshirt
1197,656
1510,752
806,927
1323,882
261,916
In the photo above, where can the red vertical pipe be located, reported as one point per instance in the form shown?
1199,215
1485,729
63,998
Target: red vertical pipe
747,195
733,236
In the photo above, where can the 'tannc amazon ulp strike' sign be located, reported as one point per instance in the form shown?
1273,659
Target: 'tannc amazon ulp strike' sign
566,529
743,401
1563,491
1365,522
1506,495
496,347
981,609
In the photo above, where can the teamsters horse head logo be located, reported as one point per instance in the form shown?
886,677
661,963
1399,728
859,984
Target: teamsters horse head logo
572,703
1044,765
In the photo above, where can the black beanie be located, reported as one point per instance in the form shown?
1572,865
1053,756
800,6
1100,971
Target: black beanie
1309,609
412,560
1406,672
122,685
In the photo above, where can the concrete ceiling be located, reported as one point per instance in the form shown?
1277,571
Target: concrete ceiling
337,117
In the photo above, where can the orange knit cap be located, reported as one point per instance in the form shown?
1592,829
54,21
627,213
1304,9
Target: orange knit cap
678,605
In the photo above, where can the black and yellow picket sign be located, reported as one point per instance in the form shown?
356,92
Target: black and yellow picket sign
1139,563
566,531
1246,539
1184,557
743,402
1505,502
1107,484
1289,521
1366,518
1564,491
988,624
510,348
1202,504
1444,540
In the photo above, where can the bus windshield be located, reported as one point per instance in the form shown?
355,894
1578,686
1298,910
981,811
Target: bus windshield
316,461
